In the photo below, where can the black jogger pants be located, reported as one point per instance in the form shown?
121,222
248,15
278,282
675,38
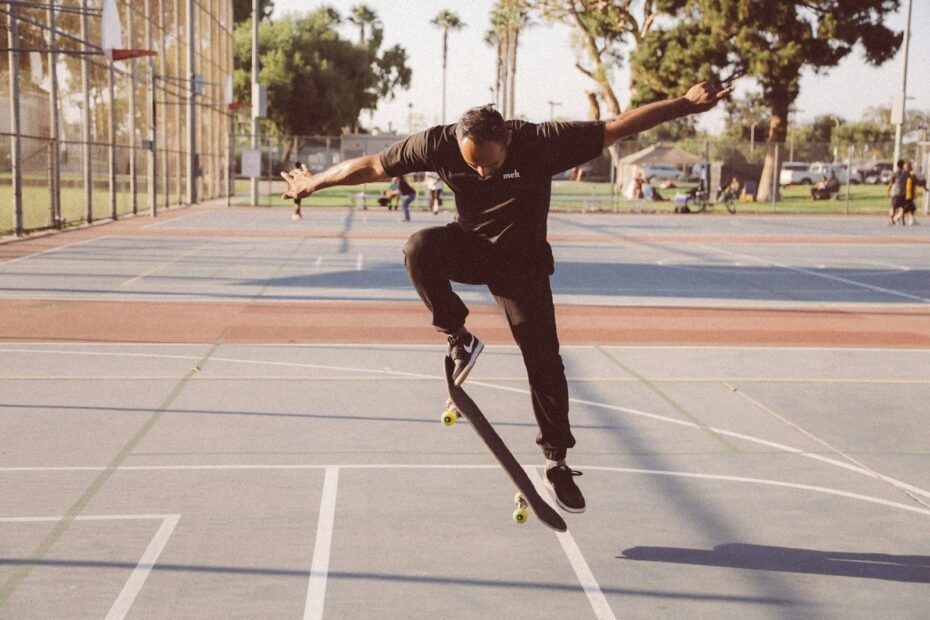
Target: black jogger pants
436,257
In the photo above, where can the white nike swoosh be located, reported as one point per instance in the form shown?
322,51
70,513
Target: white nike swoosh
471,346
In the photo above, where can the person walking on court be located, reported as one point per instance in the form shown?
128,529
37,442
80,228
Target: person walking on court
911,184
896,189
407,195
500,173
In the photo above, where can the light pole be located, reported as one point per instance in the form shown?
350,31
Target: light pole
897,110
552,105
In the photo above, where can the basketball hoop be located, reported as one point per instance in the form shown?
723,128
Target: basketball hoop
111,32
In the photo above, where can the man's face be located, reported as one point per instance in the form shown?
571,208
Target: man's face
486,158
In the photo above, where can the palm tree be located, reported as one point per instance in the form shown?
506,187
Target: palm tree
508,18
365,18
447,20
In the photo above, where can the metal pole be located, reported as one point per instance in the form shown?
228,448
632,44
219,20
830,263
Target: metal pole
849,150
86,164
191,108
775,178
134,203
111,149
153,136
55,158
153,121
255,103
178,166
16,139
898,112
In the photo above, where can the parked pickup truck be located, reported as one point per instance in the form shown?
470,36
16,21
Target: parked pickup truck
796,173
800,173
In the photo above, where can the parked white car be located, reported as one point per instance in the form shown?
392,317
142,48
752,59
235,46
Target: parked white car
796,173
801,173
660,171
824,170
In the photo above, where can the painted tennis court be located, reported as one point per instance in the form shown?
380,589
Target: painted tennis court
224,413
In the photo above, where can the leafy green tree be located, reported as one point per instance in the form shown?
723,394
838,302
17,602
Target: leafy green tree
242,9
318,83
447,21
601,29
768,41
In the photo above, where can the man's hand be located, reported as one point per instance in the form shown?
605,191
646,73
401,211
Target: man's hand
298,183
705,96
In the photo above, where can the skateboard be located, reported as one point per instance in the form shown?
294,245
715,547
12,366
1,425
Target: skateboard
461,404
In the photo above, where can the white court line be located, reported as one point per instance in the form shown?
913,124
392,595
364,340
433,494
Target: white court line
359,262
142,570
826,276
765,482
652,416
140,573
586,578
660,418
51,250
319,567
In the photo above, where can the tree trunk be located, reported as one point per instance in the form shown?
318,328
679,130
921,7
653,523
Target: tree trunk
594,107
772,169
513,72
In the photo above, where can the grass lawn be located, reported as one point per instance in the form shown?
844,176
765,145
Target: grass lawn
575,196
567,196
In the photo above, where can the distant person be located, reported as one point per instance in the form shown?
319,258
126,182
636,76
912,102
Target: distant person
731,192
407,195
434,187
635,191
500,173
651,192
297,214
896,189
909,210
825,188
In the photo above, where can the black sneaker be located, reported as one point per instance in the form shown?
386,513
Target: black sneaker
463,349
568,496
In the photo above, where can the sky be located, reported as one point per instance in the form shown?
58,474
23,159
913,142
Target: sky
549,85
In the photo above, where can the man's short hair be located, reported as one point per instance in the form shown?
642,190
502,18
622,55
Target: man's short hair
481,124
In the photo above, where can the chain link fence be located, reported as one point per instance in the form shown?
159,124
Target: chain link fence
84,138
793,169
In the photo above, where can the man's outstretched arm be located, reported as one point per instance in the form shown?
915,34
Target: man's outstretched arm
301,182
699,98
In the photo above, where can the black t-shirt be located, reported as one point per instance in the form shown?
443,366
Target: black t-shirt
510,209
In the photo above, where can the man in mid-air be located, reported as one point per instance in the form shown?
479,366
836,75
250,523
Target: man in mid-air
500,173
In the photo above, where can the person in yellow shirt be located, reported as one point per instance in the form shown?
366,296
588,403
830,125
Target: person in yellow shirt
911,183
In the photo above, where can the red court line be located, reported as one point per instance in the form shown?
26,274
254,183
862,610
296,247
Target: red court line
371,322
408,323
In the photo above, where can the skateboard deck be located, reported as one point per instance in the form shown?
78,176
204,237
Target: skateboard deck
527,496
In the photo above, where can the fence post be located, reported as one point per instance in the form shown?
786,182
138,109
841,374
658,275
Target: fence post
775,178
134,203
193,162
86,154
111,148
849,150
15,139
153,142
55,150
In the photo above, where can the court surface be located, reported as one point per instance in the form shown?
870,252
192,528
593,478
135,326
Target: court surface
224,413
